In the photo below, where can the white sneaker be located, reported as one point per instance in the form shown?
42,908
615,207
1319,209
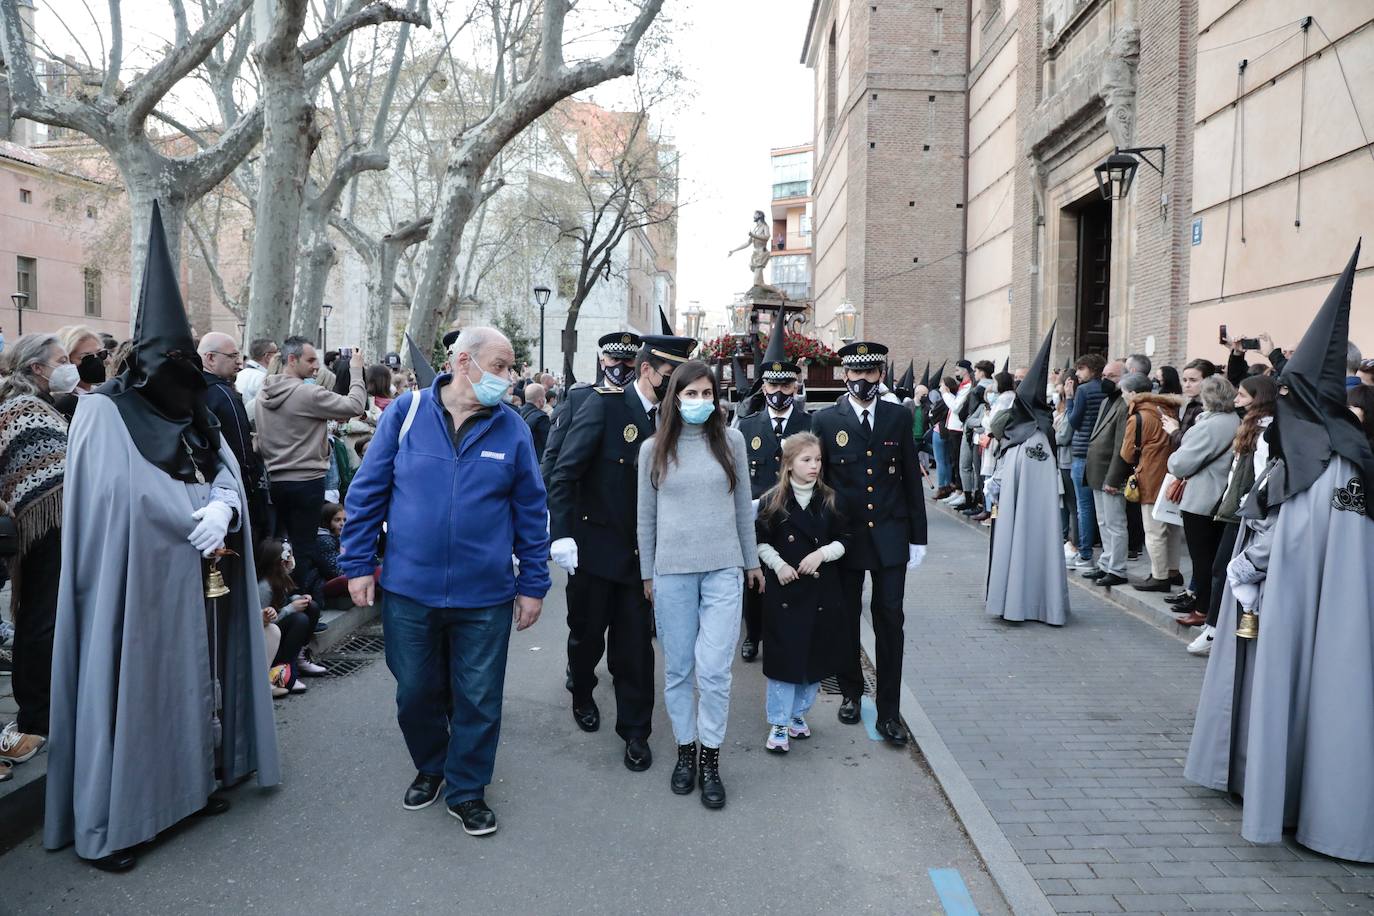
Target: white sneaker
957,494
305,665
1087,564
959,502
299,687
1070,553
1202,645
777,739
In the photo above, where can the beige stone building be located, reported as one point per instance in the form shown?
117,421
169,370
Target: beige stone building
1267,176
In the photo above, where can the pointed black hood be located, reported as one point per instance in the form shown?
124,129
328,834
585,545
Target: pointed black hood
1031,406
776,367
906,385
742,384
925,377
1006,366
938,379
424,372
161,395
667,325
1312,421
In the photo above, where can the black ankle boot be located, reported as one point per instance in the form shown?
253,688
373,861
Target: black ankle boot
712,789
685,773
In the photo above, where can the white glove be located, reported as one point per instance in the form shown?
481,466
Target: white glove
1240,571
916,556
214,525
564,552
1247,593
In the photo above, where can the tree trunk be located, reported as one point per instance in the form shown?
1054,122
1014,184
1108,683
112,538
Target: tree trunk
144,186
459,196
317,260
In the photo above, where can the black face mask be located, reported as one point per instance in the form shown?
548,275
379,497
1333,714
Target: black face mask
780,400
862,388
619,374
661,389
91,369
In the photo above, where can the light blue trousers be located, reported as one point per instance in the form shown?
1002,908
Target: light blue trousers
786,701
698,627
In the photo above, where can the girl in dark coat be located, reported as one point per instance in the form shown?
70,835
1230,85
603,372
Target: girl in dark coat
800,536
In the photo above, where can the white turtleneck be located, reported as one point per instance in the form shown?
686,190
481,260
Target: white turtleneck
802,492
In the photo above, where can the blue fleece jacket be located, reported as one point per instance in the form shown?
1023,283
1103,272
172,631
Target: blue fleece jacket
1083,409
453,518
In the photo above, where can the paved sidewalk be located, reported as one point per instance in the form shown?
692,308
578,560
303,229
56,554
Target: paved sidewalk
1075,739
843,824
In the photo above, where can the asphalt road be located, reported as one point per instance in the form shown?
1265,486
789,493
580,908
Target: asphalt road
841,824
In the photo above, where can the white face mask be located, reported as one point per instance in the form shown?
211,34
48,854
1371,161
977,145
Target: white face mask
63,378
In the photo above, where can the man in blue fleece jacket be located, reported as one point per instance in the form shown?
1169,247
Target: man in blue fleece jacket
452,472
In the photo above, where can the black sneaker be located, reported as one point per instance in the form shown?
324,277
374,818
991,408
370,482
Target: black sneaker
477,818
422,792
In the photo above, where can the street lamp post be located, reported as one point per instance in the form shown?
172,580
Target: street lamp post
324,329
20,300
694,315
541,295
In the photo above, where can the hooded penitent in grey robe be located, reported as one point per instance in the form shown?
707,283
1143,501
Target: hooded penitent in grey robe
139,731
1026,577
1286,720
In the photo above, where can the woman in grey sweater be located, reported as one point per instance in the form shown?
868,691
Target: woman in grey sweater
696,542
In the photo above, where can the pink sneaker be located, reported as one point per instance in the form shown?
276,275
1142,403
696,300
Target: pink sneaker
777,740
798,728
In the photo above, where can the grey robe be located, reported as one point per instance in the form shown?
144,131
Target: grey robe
1287,720
1026,575
131,749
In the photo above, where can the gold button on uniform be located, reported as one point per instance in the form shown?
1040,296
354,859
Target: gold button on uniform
870,507
870,524
870,453
870,489
870,472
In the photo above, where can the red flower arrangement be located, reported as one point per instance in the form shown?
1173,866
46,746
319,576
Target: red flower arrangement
796,346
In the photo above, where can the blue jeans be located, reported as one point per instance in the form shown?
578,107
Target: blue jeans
1087,516
944,475
698,626
450,670
786,701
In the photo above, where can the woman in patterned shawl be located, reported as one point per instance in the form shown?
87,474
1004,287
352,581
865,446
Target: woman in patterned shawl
33,459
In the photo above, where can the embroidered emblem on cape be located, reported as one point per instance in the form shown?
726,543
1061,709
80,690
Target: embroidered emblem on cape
631,432
1350,498
842,438
755,443
1037,451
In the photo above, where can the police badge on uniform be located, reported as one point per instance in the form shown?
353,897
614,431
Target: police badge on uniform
756,443
631,432
842,438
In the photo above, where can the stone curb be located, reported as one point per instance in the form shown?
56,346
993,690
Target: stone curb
1018,888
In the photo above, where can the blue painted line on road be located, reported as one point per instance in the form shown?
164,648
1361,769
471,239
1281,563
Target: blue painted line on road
868,712
954,896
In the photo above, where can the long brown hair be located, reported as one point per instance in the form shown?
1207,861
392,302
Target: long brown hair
774,502
670,424
1265,392
271,570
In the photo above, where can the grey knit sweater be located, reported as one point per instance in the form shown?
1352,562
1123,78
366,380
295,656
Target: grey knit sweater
691,522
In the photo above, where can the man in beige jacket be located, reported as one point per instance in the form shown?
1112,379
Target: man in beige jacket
293,413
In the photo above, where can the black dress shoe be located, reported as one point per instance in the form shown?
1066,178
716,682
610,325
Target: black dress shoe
1110,579
685,772
712,789
638,757
423,791
214,805
567,681
849,712
1152,585
748,650
588,716
1176,579
892,732
477,818
1183,597
1095,573
119,860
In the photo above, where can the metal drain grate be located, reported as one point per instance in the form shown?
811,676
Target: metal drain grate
360,644
831,685
343,667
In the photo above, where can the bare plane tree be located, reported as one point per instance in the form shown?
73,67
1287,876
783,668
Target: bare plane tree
533,91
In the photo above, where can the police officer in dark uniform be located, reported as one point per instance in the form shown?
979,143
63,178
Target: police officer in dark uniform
618,352
778,416
592,525
870,459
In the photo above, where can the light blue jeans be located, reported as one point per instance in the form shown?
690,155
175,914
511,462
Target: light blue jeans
698,627
788,700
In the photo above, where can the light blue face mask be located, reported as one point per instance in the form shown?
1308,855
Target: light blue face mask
312,381
490,389
695,412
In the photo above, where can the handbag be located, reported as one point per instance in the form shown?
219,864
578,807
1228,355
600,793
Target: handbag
1175,493
1131,491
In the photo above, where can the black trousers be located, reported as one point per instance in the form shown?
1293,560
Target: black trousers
34,617
753,616
296,629
1223,557
298,504
1135,528
613,618
885,605
1202,535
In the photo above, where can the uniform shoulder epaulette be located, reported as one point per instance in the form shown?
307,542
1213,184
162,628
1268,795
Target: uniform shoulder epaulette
609,389
577,385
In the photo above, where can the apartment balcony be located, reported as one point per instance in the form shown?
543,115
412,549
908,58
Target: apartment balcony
788,189
795,291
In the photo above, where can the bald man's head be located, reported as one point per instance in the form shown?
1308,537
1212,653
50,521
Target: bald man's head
220,354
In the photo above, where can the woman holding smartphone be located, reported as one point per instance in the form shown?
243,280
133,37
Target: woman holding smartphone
694,471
